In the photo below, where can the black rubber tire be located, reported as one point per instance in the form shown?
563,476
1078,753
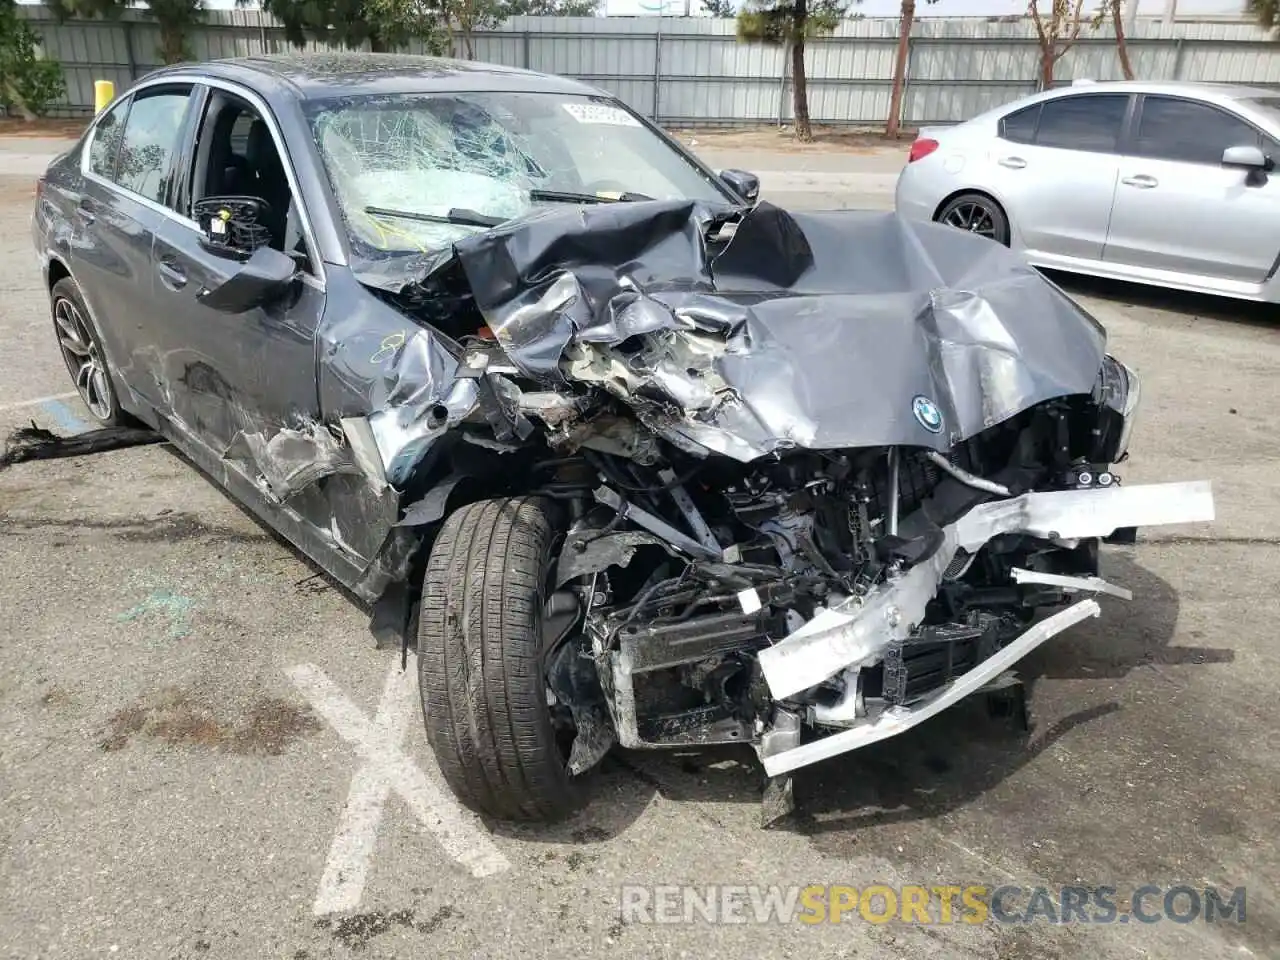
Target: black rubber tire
66,289
480,667
999,221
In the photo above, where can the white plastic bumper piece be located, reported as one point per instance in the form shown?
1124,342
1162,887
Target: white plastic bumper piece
895,720
856,631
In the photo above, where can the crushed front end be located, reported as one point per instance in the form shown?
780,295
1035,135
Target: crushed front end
818,471
854,591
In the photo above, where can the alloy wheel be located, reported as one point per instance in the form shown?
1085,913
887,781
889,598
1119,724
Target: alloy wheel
83,356
974,217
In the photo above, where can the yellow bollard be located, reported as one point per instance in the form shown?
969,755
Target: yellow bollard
104,91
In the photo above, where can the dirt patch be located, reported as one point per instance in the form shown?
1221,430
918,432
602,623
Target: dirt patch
858,140
180,719
166,527
356,930
56,697
48,127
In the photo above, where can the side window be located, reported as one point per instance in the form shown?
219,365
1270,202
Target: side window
237,156
1020,126
1172,129
1090,123
151,137
106,141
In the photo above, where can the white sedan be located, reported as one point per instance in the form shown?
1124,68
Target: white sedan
1170,184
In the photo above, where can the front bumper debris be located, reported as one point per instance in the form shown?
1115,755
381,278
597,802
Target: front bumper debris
895,720
855,632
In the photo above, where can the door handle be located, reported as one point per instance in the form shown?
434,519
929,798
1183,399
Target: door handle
1013,163
84,212
1141,181
172,275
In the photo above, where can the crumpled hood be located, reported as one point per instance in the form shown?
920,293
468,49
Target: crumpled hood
814,330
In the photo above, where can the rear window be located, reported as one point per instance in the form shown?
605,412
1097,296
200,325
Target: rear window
1020,127
1091,123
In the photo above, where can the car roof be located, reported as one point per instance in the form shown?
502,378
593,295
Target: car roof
1211,92
1186,88
320,75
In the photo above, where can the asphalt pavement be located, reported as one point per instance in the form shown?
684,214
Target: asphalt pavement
203,756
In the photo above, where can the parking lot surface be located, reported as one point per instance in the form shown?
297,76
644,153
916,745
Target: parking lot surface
202,755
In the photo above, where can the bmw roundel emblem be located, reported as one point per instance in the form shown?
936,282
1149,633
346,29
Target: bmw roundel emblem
927,413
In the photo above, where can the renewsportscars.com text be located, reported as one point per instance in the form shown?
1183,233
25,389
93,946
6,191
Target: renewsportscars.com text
933,904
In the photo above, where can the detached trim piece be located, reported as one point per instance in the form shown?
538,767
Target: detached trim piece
1071,584
897,720
856,632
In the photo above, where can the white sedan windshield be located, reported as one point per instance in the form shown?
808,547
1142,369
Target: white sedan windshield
403,166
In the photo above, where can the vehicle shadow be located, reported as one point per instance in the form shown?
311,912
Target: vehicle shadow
954,758
1190,305
618,793
1130,633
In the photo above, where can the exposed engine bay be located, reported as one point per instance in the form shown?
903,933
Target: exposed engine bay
694,579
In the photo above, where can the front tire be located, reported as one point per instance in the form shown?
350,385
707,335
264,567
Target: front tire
82,352
481,666
976,213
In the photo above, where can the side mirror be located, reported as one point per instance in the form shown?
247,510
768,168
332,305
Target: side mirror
746,185
267,275
233,227
1248,157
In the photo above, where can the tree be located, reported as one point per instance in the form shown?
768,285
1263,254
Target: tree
28,82
724,9
789,23
905,23
553,8
1056,32
1111,8
174,18
349,23
421,17
472,15
388,24
1266,12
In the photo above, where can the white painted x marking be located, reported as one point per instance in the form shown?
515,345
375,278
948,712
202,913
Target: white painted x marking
386,768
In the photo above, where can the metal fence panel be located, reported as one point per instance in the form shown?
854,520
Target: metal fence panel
693,70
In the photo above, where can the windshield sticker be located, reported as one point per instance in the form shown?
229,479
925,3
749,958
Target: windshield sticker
599,113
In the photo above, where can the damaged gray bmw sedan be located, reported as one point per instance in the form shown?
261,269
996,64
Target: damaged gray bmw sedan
630,456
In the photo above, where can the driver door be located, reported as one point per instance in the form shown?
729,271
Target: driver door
250,374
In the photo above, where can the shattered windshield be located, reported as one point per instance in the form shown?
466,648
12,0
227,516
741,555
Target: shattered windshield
414,173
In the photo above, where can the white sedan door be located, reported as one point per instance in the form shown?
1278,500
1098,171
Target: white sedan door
1058,162
1178,209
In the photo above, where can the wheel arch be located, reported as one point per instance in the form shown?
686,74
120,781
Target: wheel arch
978,191
394,591
57,270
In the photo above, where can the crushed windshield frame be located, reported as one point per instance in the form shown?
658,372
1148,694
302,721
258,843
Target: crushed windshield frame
316,109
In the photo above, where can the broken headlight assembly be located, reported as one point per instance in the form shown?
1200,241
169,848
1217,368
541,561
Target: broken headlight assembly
1117,394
